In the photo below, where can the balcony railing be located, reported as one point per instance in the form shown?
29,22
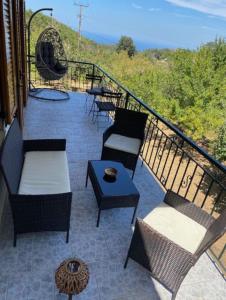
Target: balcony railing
174,159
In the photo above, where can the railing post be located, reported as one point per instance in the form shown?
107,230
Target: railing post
93,73
127,100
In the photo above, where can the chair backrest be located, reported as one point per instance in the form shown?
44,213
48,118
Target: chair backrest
130,123
12,157
47,53
111,95
215,231
94,77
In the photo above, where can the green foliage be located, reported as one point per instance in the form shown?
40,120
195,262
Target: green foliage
220,144
197,81
186,87
126,44
159,54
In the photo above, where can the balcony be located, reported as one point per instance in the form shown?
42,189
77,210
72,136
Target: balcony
168,160
175,160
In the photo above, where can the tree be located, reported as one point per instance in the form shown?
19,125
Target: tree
220,144
126,44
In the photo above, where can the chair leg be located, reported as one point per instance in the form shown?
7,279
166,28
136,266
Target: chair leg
86,103
87,177
98,218
95,115
67,236
14,239
135,166
98,120
126,262
92,106
134,213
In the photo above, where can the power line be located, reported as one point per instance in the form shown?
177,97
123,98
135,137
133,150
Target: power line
80,18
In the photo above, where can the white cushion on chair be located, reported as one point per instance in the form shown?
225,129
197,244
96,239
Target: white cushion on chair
45,172
177,227
123,143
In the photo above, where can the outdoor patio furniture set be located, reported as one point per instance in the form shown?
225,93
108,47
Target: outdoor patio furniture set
167,242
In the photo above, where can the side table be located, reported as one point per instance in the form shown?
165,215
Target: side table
120,193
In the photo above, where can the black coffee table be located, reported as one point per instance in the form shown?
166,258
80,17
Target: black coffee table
120,193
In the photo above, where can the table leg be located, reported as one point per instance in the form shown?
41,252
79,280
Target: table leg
98,218
93,105
69,297
94,115
87,174
135,209
98,119
86,103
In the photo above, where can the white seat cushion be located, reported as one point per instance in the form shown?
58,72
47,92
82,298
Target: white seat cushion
177,227
45,172
123,143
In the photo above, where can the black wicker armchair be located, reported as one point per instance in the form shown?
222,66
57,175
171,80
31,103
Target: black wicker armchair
170,240
37,179
123,140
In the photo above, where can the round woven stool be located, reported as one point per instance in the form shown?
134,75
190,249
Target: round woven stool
72,277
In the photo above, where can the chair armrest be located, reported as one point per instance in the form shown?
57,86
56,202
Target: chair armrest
188,208
38,212
107,133
32,206
44,145
21,198
142,140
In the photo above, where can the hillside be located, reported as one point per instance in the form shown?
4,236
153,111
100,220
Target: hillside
186,87
89,49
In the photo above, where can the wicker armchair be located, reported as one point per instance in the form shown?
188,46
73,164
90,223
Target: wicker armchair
170,240
37,179
123,140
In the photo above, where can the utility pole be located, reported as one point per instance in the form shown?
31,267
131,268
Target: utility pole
80,17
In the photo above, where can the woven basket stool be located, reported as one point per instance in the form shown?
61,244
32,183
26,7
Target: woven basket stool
72,277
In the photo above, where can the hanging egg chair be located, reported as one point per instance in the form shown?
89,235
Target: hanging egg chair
50,58
51,63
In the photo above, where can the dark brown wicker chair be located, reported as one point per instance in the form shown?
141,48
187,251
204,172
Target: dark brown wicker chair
128,131
167,260
34,212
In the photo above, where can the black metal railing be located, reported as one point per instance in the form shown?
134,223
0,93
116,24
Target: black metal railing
176,161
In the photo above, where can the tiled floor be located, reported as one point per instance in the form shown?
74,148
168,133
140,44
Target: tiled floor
27,271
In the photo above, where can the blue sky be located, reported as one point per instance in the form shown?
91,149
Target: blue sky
171,23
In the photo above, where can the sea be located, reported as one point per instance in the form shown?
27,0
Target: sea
111,40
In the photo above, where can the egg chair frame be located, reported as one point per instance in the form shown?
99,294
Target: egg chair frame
50,60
